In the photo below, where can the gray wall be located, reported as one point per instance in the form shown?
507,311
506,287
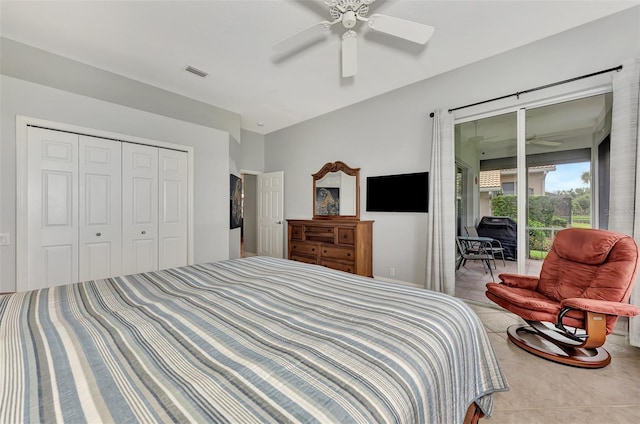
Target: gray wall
251,151
211,167
392,133
246,155
252,154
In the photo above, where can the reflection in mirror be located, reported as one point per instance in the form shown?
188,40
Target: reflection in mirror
336,192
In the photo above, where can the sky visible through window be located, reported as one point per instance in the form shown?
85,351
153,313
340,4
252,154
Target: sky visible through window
566,177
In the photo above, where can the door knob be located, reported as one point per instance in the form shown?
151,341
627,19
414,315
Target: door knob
144,232
98,234
279,222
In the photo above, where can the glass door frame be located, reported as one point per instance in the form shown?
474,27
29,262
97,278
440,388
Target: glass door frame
522,189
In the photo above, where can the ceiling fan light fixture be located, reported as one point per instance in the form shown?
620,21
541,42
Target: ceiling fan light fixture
349,19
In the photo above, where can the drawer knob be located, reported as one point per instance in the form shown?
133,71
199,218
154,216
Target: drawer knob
349,254
346,236
98,234
313,249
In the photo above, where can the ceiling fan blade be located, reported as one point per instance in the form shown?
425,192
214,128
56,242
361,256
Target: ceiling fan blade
349,54
408,30
303,37
480,138
547,142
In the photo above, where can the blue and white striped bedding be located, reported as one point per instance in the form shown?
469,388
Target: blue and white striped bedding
242,341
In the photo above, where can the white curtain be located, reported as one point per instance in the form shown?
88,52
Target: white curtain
441,227
624,199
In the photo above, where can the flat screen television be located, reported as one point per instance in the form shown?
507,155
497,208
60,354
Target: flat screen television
398,193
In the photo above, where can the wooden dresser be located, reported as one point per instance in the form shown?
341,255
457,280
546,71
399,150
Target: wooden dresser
339,244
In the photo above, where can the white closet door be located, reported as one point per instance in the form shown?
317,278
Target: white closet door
139,208
52,179
100,208
172,229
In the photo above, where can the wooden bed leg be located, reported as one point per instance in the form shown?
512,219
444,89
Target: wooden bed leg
473,414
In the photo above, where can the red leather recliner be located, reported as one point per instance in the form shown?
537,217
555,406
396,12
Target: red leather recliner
585,284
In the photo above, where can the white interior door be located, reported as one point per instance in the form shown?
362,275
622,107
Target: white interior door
52,192
172,229
139,208
100,208
271,214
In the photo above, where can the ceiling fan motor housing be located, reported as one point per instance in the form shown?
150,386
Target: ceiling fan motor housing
349,19
346,10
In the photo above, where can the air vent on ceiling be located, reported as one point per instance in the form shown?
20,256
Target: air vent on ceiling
196,71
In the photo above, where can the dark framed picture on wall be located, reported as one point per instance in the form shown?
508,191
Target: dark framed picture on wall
236,202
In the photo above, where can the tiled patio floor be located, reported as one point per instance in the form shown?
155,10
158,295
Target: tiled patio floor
472,277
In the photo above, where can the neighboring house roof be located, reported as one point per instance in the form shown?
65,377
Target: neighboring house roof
532,169
491,180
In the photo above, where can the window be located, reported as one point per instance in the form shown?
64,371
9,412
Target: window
509,188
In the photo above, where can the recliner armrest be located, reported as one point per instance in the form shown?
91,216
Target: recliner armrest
529,282
601,306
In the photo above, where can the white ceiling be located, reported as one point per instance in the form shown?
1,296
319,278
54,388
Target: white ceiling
153,41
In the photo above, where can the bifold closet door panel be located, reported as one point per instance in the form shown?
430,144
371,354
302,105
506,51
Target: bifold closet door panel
139,208
172,228
100,208
52,209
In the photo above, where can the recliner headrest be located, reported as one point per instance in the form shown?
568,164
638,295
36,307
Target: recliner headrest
587,246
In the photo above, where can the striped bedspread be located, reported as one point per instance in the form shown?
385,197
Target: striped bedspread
252,340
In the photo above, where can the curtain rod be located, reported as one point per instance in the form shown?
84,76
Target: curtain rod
518,93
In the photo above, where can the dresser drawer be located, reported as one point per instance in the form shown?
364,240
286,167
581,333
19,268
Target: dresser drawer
305,259
340,266
296,232
346,236
338,253
304,248
318,229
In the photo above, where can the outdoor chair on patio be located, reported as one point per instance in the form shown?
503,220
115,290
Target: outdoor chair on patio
468,252
492,246
584,285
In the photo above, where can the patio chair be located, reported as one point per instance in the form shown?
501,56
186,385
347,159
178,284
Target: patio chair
494,246
472,253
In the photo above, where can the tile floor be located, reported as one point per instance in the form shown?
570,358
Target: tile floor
542,391
472,277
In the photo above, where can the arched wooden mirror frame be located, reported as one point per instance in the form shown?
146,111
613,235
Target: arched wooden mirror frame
338,188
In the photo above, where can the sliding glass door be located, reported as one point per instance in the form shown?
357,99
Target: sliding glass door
530,175
486,153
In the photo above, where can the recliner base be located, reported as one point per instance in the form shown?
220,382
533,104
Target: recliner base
533,341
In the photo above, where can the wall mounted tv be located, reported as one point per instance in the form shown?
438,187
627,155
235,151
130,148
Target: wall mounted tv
398,193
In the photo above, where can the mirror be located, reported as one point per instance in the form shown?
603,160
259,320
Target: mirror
336,192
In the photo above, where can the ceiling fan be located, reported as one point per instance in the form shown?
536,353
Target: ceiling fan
349,12
533,139
475,139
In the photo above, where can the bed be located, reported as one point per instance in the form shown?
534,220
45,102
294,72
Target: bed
252,340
